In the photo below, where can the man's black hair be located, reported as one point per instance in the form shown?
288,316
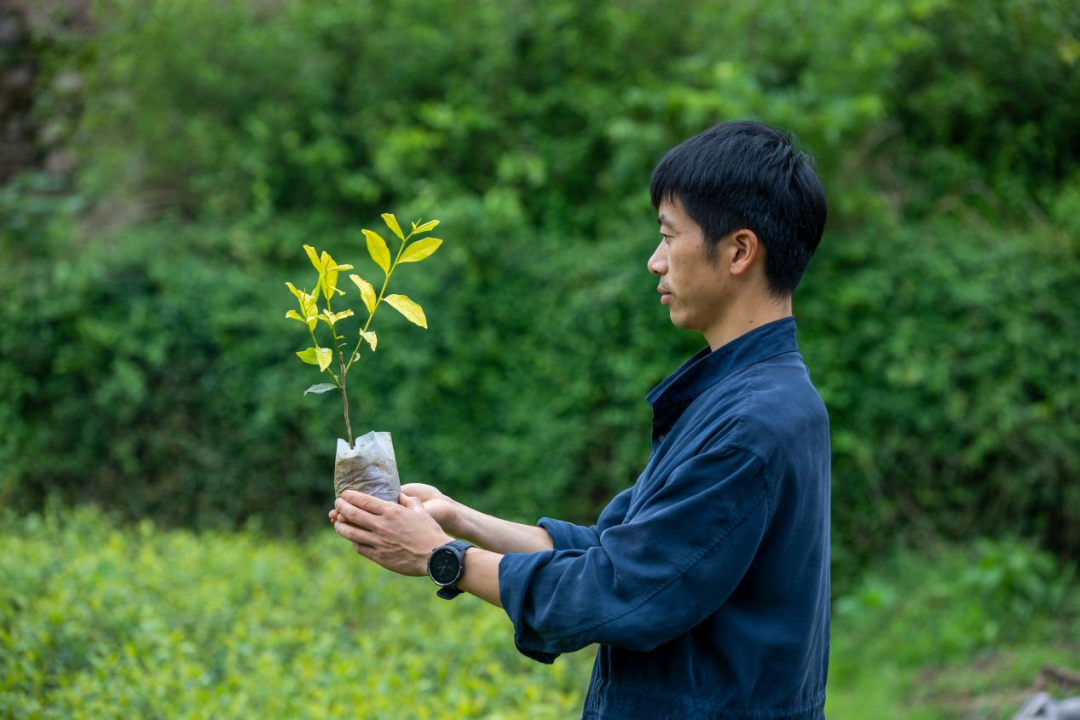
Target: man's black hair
749,175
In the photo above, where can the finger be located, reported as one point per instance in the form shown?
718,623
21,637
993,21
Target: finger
349,513
355,534
372,504
333,515
411,502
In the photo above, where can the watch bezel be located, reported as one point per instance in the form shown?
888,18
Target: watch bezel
455,555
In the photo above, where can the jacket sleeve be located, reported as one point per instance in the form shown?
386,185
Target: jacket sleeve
567,536
650,579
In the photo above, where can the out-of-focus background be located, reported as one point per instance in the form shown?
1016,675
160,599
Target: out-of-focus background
164,550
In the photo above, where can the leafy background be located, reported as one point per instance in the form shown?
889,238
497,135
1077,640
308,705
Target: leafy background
179,154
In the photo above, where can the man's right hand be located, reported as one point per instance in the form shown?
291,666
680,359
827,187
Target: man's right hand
436,504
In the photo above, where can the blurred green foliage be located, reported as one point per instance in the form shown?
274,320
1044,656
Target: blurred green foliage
950,632
144,364
102,622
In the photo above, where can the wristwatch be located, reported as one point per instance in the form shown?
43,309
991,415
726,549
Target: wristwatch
446,565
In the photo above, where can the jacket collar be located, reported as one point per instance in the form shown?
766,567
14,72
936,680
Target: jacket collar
708,367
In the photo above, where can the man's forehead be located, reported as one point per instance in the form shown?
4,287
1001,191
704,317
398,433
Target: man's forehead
667,220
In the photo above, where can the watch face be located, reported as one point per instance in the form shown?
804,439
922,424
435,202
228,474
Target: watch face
444,566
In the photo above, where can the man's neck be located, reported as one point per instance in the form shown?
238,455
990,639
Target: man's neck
745,318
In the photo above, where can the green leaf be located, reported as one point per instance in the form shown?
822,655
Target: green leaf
331,318
420,250
328,280
309,356
429,225
412,312
392,223
299,295
372,339
376,247
320,388
314,256
317,356
367,292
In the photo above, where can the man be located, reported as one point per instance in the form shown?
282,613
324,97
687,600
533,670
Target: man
706,584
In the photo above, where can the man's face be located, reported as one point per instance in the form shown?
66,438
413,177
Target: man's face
696,291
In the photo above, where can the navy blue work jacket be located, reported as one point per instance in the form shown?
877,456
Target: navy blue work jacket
706,583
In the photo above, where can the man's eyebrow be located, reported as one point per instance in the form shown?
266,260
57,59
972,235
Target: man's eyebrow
661,220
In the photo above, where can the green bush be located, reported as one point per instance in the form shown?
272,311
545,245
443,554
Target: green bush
944,354
951,631
99,623
206,107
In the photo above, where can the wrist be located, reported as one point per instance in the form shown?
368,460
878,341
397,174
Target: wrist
459,525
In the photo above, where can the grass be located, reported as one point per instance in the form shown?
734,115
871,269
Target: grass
102,621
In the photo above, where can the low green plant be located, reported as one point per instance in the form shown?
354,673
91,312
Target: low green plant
326,287
101,621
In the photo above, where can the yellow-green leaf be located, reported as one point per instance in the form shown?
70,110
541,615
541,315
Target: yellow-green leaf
292,314
299,295
372,339
376,247
309,356
429,225
367,292
412,312
420,250
332,317
326,355
327,277
314,258
310,308
391,222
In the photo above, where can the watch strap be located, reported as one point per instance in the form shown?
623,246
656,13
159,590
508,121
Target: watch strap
448,592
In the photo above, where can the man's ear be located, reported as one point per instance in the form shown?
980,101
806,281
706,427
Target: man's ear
746,247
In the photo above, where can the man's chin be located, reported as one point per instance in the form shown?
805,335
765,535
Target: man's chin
679,320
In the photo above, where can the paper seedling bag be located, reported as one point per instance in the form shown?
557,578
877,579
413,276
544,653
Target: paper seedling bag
368,467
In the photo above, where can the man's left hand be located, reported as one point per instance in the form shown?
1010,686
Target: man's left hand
400,537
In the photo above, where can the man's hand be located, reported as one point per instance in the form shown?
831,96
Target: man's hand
397,537
438,505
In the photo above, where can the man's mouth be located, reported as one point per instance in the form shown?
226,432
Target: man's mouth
665,294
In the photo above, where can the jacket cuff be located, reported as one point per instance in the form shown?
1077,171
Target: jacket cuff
515,572
568,536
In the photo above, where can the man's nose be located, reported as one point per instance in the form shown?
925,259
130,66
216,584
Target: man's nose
658,262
